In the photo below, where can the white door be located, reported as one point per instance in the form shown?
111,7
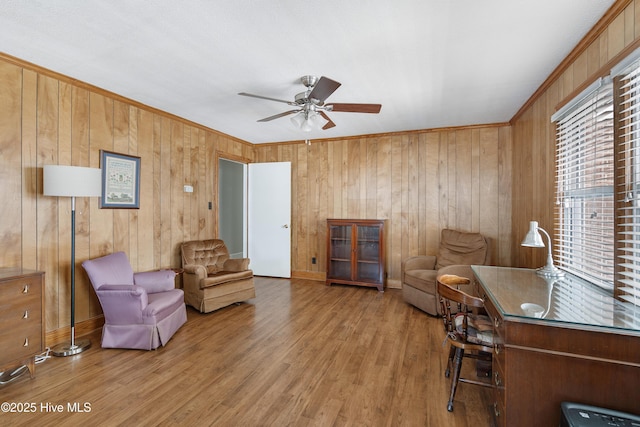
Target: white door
269,219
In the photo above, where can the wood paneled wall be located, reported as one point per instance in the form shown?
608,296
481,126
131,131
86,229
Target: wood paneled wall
534,134
50,119
420,182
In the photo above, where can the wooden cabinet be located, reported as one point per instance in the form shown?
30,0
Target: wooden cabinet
573,350
21,317
355,252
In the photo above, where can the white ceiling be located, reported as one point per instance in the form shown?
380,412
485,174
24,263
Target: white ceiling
430,63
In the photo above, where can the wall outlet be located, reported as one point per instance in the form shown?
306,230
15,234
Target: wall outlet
188,189
313,260
210,205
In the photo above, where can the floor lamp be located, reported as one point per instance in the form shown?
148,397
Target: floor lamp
72,181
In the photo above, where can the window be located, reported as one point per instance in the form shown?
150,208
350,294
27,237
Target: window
585,182
628,185
598,183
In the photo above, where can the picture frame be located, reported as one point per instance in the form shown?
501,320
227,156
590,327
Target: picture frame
120,181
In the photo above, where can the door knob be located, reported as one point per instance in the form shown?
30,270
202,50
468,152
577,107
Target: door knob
285,226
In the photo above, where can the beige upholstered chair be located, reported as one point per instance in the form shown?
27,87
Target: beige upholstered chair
458,250
211,279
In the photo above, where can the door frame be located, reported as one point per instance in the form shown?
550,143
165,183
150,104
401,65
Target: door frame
216,193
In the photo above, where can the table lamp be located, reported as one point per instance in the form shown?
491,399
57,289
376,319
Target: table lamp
72,181
534,240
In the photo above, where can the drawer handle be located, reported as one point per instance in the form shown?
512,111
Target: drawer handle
26,342
496,411
26,314
497,379
496,348
496,322
25,290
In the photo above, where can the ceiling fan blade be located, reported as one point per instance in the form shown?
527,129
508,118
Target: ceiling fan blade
266,97
329,123
323,88
277,116
356,108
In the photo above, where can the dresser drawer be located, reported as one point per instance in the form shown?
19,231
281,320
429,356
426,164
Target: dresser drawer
20,310
21,342
14,288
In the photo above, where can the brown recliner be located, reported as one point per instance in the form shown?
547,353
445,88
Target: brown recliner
211,279
458,251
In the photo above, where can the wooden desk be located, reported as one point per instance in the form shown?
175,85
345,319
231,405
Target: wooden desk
558,341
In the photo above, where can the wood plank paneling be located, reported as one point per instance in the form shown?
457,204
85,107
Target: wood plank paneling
418,182
11,172
53,258
146,214
30,173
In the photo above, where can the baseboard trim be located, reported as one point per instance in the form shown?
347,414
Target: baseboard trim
394,284
309,275
82,328
322,276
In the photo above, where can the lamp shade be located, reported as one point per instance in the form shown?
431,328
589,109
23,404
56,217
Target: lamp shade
298,119
533,238
72,181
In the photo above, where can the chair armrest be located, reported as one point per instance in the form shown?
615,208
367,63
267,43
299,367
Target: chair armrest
200,271
462,271
122,304
420,262
236,264
155,281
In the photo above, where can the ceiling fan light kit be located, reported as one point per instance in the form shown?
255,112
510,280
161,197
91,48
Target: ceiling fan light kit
310,112
307,121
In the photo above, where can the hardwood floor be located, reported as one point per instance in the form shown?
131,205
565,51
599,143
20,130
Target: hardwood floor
299,354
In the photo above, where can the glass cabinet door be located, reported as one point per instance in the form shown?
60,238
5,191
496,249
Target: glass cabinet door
340,262
368,253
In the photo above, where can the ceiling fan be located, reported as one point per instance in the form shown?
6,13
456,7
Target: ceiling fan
310,104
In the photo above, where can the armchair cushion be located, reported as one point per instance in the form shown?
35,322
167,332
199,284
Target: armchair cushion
211,254
111,269
224,277
479,328
457,247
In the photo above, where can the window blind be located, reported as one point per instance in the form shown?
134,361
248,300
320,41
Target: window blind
628,186
585,188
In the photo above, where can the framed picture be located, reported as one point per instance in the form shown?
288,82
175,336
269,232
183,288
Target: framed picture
120,180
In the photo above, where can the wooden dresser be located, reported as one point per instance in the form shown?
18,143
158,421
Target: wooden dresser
21,317
558,340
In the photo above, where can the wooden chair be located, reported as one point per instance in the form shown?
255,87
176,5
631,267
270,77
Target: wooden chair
468,333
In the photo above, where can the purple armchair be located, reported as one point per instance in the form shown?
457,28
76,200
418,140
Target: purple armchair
141,310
